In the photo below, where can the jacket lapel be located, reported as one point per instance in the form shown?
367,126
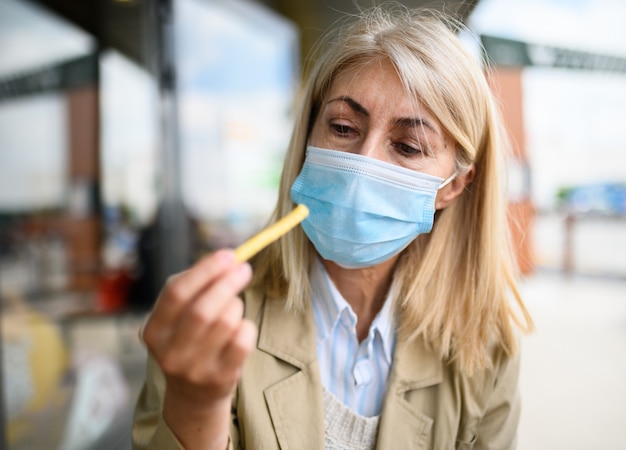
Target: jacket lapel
295,403
403,425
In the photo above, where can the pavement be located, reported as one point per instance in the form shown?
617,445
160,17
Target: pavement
573,378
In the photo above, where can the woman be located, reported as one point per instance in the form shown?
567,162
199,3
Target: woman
388,320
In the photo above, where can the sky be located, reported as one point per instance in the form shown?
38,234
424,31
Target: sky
586,25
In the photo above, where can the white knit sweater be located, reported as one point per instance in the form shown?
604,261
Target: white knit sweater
345,429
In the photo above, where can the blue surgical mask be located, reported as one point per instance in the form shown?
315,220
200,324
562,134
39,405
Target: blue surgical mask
363,211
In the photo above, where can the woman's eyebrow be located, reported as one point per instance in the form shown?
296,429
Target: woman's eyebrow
414,122
404,122
353,104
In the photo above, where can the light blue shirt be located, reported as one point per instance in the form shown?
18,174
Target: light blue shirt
356,373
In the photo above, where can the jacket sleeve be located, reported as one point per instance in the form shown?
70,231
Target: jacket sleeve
149,428
498,427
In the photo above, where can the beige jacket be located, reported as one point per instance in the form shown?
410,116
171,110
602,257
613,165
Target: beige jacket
278,403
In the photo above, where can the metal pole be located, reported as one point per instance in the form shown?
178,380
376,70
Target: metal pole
172,221
3,421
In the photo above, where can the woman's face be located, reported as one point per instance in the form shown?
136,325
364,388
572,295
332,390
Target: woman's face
367,111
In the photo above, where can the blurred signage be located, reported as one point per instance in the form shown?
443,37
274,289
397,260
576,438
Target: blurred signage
70,74
509,52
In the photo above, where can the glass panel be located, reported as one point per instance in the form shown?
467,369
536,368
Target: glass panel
69,373
33,165
237,72
26,33
83,128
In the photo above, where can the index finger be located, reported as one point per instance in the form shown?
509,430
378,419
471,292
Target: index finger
185,286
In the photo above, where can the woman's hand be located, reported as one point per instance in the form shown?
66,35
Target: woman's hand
198,337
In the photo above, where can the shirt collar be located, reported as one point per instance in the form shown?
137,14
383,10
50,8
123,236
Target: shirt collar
329,306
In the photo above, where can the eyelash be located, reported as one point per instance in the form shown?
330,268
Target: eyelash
342,131
409,150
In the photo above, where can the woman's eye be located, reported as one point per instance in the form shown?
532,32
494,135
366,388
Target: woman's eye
341,130
409,150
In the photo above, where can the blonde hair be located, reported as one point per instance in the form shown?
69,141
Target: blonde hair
454,287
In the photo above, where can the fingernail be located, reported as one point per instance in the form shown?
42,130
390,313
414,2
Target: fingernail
245,269
226,255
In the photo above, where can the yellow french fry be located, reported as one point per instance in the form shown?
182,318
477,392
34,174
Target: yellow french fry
270,234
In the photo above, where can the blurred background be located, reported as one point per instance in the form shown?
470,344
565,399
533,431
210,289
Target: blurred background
137,135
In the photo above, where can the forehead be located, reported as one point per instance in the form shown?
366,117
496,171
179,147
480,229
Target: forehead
376,85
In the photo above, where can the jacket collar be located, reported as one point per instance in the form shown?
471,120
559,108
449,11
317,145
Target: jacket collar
290,336
287,335
295,403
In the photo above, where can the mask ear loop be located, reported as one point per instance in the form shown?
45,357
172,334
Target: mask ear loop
447,181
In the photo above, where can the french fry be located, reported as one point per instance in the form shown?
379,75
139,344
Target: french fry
270,234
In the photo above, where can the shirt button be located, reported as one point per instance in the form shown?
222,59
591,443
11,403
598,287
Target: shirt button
363,373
